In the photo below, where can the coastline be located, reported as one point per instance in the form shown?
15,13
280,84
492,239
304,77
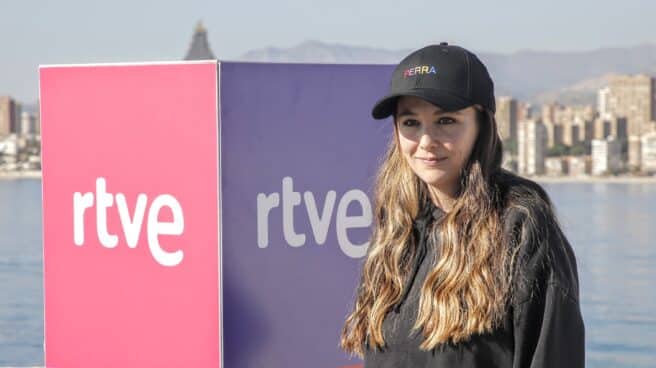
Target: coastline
34,174
595,179
13,175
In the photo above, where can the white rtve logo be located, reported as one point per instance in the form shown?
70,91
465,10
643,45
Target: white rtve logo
131,224
320,222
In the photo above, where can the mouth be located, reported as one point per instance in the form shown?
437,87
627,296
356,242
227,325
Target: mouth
431,160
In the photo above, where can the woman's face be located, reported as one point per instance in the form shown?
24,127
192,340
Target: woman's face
436,144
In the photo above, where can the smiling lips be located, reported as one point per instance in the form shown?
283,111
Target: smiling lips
431,160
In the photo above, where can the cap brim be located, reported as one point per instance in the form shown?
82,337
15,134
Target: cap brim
444,100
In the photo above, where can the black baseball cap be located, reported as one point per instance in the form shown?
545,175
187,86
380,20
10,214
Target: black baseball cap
447,76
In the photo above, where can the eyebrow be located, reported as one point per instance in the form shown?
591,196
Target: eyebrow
408,112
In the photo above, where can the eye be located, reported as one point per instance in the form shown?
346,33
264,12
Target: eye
409,122
446,120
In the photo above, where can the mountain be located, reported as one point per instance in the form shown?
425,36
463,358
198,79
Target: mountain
530,75
320,52
581,93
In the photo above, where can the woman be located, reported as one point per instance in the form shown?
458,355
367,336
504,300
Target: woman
468,266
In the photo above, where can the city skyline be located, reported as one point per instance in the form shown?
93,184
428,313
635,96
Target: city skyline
617,135
73,31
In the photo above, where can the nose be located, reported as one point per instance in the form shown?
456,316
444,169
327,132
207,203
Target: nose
427,141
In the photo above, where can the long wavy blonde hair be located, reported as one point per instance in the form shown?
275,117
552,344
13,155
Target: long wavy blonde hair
467,289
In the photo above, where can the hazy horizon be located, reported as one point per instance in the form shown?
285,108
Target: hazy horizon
74,31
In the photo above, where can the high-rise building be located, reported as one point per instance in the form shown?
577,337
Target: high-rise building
8,117
531,147
549,128
564,114
587,130
18,109
37,119
601,128
37,123
560,113
602,103
634,152
549,112
524,111
633,97
606,156
200,46
619,127
28,123
554,133
506,117
571,132
648,152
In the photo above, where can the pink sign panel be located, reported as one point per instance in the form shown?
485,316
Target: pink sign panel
131,224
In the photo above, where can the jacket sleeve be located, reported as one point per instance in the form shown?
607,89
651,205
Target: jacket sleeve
547,323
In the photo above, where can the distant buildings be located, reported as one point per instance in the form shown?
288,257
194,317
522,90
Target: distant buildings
9,115
20,153
506,117
20,144
13,120
571,132
549,112
609,125
531,147
28,123
556,166
632,97
602,103
648,154
606,156
524,111
634,153
554,133
579,165
567,125
568,165
617,135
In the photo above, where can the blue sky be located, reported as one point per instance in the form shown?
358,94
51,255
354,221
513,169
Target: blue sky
80,31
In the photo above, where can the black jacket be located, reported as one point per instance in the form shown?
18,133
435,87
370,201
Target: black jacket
542,327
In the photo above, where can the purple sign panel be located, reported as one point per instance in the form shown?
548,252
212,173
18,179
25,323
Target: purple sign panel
299,152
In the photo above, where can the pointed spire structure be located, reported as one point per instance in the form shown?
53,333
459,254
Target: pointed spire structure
200,47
